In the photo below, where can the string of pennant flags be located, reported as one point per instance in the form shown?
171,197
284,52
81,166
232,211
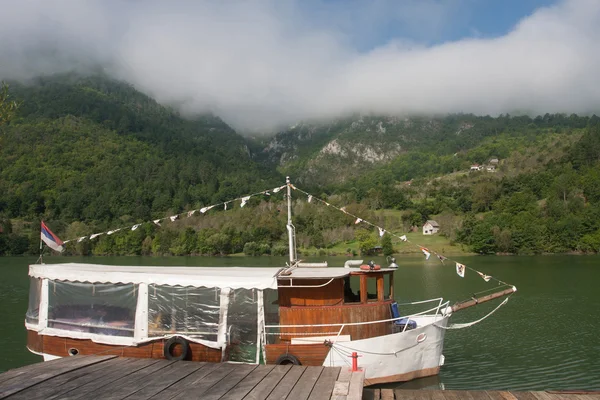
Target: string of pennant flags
226,205
460,268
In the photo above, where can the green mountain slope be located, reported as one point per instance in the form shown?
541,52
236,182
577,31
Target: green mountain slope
94,149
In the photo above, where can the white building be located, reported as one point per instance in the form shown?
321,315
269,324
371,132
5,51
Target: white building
431,227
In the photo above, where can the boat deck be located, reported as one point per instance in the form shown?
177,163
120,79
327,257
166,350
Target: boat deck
111,377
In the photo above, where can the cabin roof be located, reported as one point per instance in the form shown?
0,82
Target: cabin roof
222,277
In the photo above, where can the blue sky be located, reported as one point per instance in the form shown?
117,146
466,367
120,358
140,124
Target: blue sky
370,24
264,64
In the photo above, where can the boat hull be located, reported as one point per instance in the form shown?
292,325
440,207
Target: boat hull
59,346
397,357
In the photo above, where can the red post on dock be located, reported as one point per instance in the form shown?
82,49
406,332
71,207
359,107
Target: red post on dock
354,357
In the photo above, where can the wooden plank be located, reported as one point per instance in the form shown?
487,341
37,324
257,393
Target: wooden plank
199,386
107,380
47,372
324,385
143,389
501,395
285,385
63,384
240,372
340,390
188,381
266,386
356,385
306,383
479,395
34,369
524,395
248,383
387,394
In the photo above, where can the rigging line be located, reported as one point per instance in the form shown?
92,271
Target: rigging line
393,234
275,190
469,324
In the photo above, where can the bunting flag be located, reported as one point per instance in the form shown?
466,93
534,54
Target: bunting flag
244,201
205,209
225,207
267,193
50,239
190,213
81,239
358,221
310,198
95,235
133,228
278,189
381,232
460,270
157,222
426,252
173,217
404,238
111,232
441,258
484,276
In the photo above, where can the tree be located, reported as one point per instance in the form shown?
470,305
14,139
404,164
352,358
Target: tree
8,108
386,245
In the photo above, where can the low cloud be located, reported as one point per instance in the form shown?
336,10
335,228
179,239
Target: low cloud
260,65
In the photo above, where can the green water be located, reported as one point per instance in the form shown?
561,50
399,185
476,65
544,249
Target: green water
546,337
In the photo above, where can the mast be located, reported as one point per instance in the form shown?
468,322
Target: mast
290,227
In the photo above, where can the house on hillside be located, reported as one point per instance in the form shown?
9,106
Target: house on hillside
490,168
494,161
431,227
476,167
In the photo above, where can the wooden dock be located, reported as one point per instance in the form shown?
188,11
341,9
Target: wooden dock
111,377
402,394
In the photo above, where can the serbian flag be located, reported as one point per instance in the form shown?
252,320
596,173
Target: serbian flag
51,239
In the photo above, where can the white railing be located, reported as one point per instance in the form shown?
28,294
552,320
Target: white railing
436,310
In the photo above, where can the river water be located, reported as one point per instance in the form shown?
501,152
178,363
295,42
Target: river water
545,337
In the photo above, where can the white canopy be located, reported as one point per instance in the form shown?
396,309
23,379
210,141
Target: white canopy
222,277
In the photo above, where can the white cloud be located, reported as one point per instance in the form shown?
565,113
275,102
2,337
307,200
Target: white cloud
266,63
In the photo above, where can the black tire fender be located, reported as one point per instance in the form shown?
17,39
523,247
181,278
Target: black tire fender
287,359
171,343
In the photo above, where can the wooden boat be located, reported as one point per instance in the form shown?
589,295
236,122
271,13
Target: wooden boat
308,314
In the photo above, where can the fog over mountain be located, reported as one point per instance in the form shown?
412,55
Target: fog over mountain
264,64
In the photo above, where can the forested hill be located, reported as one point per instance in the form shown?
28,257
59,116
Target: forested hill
96,150
90,154
343,150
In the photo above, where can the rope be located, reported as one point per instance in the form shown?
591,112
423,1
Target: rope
468,324
403,237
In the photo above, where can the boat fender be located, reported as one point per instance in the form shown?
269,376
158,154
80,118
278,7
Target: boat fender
170,345
287,359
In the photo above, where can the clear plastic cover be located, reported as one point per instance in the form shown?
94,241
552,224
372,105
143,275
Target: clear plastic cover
190,311
271,307
242,318
103,309
35,293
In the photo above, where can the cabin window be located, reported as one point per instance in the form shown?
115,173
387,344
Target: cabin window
189,311
387,286
35,293
371,288
103,309
352,289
